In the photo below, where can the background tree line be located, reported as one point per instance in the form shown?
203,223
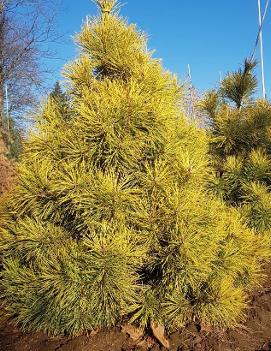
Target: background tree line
26,29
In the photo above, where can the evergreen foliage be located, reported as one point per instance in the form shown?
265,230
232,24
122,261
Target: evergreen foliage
61,98
57,93
239,86
111,218
241,146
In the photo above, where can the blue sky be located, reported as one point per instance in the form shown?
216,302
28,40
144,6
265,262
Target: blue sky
211,35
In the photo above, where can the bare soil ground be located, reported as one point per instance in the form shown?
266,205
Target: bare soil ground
7,169
7,174
254,335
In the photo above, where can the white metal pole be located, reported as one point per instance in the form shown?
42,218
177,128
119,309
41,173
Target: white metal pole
189,72
7,106
191,93
261,48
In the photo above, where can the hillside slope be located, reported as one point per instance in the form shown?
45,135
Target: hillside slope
7,169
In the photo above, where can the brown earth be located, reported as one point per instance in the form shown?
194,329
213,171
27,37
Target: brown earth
3,148
7,174
7,170
254,335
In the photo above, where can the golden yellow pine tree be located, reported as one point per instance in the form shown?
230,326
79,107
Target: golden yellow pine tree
240,144
111,218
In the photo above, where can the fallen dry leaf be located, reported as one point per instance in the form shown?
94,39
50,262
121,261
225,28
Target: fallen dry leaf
159,333
94,332
134,332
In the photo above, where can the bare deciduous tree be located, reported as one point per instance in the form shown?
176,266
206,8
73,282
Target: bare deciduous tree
26,28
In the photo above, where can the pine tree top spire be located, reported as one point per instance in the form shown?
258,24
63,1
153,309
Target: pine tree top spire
106,6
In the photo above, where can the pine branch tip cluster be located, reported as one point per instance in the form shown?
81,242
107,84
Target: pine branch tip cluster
106,6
